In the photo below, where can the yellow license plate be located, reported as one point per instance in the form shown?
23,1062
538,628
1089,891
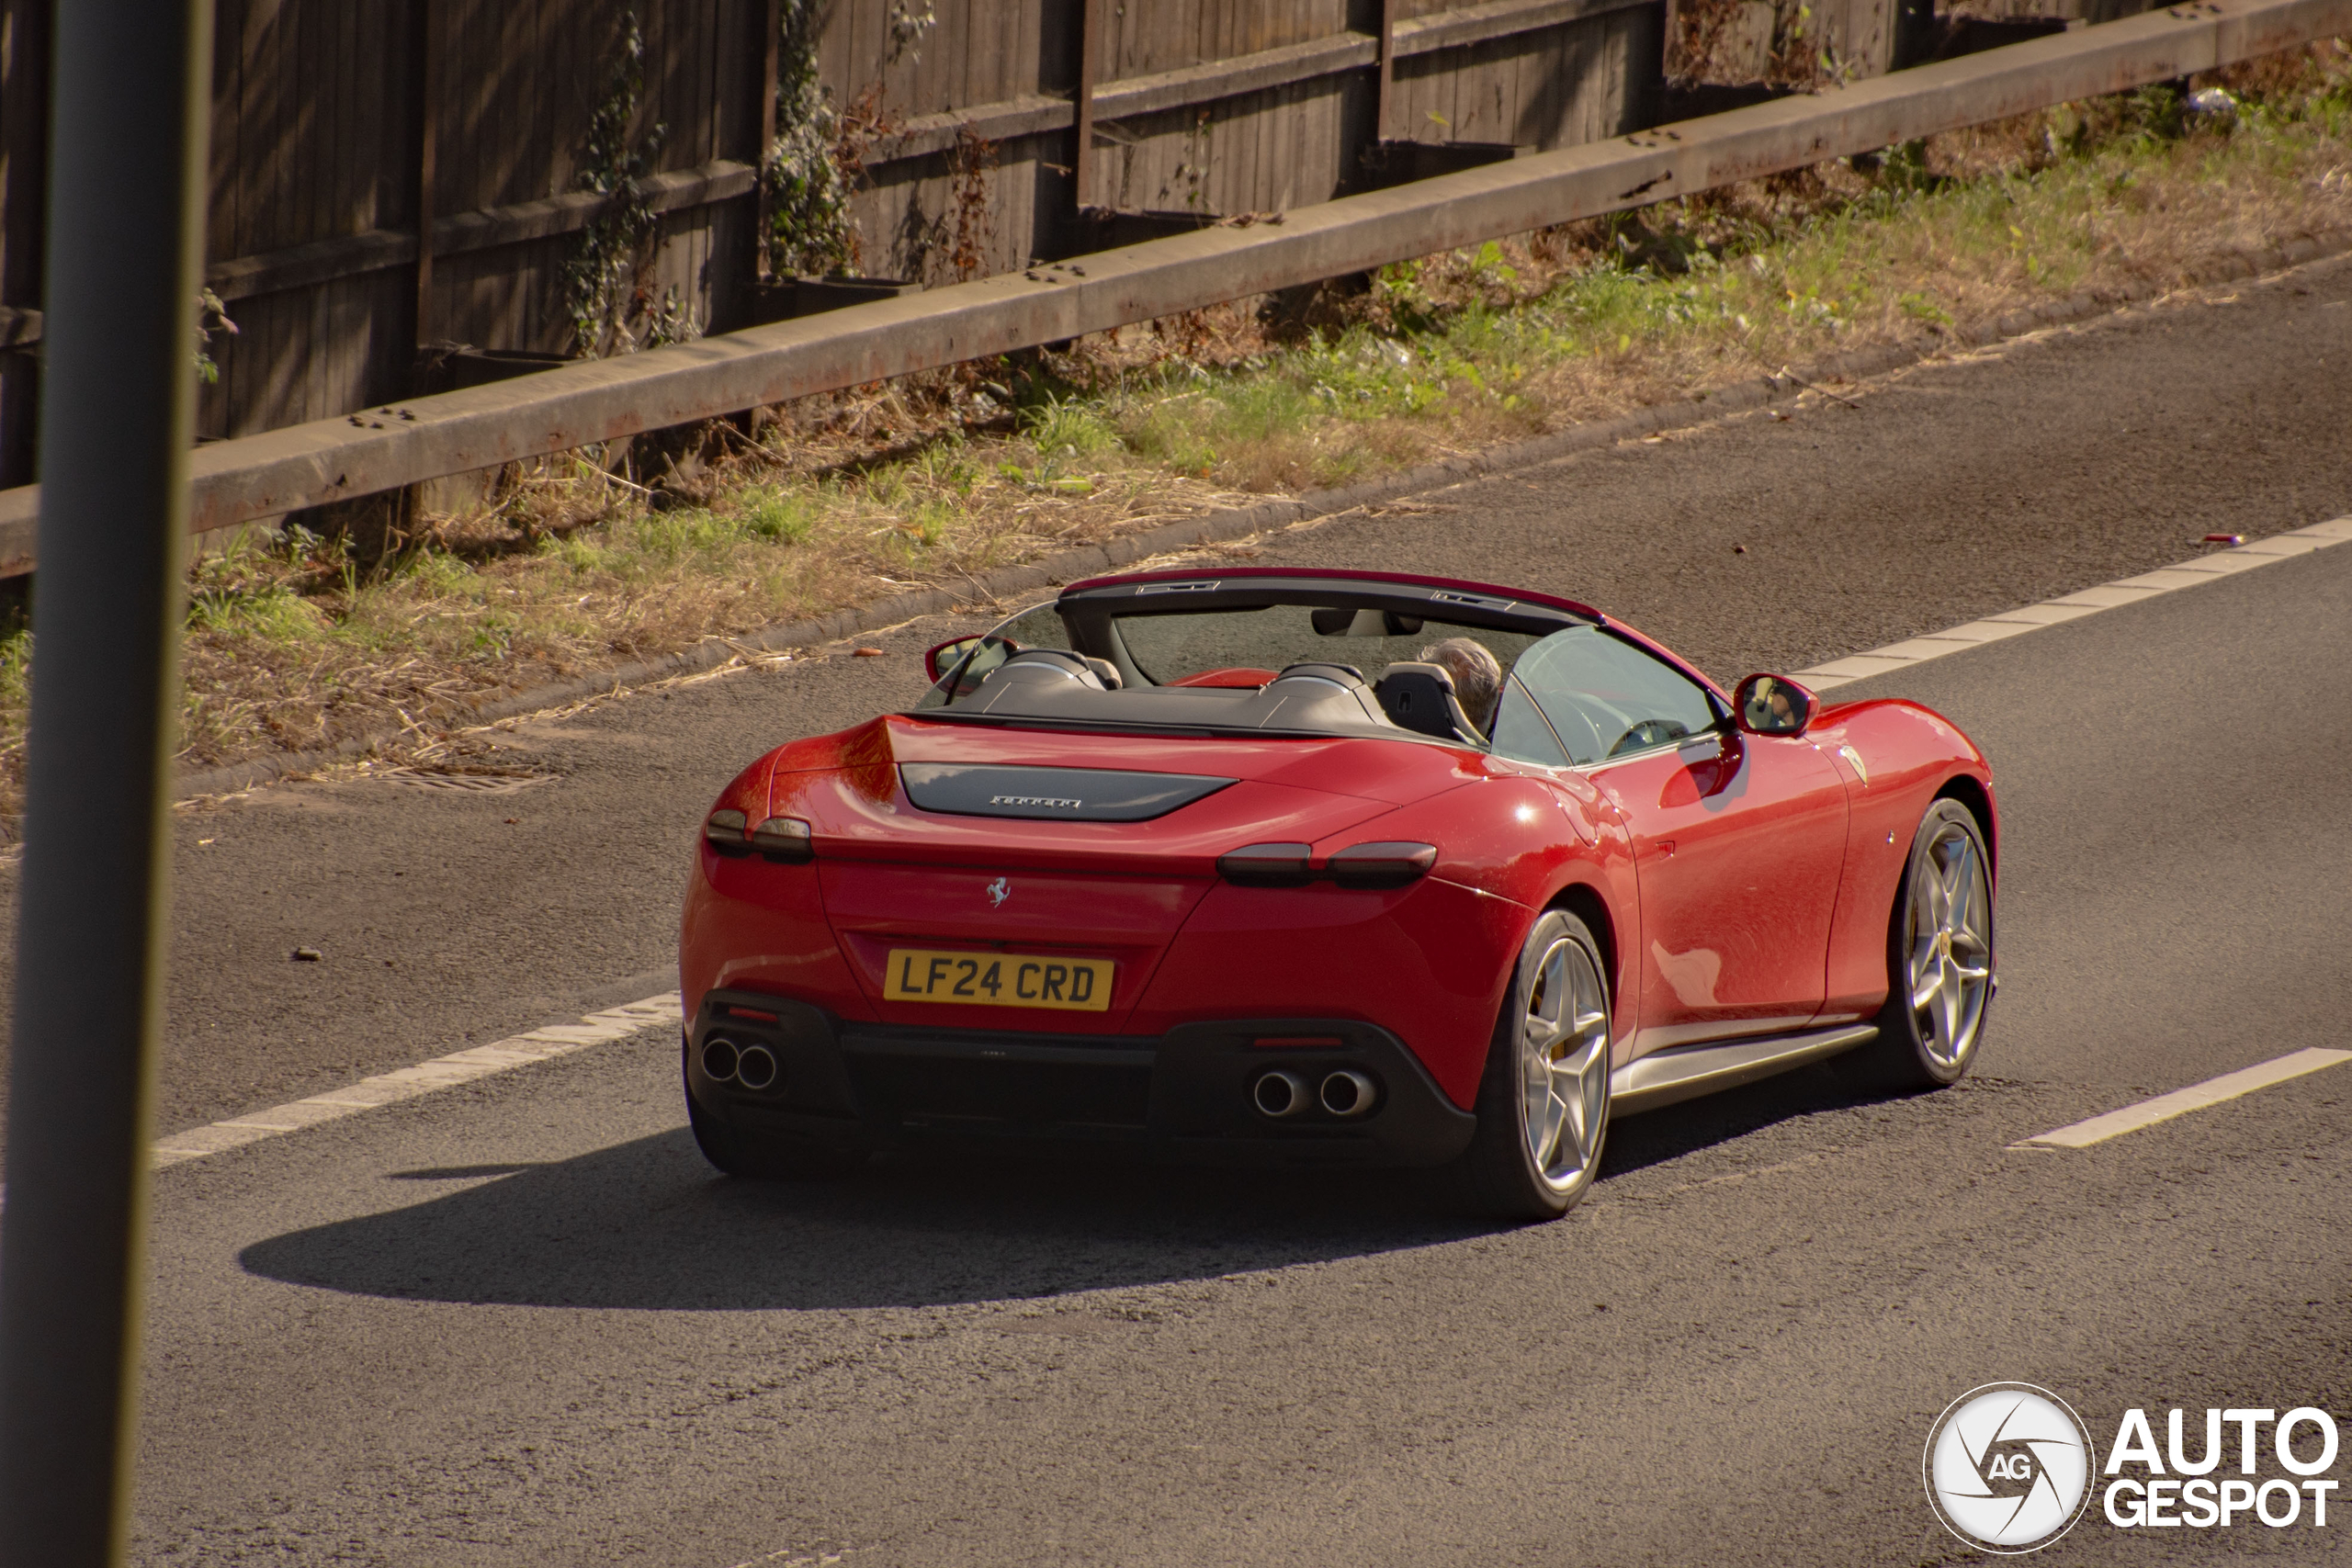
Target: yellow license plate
999,980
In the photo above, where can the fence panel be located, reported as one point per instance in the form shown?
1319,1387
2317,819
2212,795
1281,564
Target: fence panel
406,174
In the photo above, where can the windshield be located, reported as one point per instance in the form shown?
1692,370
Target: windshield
1038,627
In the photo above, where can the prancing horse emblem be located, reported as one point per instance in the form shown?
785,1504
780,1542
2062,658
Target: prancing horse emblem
998,891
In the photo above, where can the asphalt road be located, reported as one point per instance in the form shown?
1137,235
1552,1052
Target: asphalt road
522,1323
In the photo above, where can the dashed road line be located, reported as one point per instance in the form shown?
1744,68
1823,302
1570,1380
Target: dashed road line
2073,606
2180,1102
407,1083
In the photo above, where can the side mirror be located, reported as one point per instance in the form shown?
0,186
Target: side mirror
1773,705
939,661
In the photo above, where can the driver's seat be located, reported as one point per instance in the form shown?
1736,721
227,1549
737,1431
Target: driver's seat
1421,697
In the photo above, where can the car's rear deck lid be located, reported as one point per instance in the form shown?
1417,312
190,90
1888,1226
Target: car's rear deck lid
1051,793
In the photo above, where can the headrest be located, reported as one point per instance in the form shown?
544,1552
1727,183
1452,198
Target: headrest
1088,671
1421,697
1338,674
1411,667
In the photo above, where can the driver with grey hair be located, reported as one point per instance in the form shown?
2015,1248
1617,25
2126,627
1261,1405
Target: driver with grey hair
1476,675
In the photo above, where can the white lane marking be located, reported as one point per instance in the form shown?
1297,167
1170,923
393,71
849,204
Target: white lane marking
2180,1102
2073,606
407,1083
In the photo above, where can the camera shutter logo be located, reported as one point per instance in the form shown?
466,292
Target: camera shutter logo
2008,1467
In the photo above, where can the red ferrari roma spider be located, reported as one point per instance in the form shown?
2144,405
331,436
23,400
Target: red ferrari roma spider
1325,866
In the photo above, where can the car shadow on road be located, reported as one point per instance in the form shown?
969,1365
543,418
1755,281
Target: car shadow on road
647,1224
1674,1131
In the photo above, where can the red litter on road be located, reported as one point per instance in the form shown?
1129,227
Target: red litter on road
2223,540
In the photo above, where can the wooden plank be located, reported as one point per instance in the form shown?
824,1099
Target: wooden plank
1091,38
252,162
426,84
488,65
770,43
223,173
285,217
1132,96
1381,116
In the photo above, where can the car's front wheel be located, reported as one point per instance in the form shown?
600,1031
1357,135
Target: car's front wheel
1938,959
1544,1102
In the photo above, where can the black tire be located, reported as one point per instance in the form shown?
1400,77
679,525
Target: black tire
768,1159
1917,1046
1504,1173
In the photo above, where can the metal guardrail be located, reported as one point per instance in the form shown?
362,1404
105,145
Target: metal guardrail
269,474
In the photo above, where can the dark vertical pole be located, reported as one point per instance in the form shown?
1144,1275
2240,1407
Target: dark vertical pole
428,97
1386,89
771,65
1090,39
125,223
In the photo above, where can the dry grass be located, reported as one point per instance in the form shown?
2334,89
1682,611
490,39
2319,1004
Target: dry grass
370,629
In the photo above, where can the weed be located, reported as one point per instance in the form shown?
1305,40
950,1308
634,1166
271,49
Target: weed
1067,427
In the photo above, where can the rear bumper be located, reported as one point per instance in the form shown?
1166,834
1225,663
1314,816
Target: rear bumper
1184,1095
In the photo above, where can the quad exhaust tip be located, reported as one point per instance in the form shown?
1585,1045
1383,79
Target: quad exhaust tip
755,1066
1280,1094
751,1065
1344,1093
719,1060
1347,1093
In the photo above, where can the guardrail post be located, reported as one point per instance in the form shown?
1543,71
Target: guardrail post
130,93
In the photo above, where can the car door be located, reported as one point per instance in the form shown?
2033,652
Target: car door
1738,840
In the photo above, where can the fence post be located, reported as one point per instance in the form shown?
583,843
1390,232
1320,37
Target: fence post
430,28
1386,88
130,95
1090,39
763,207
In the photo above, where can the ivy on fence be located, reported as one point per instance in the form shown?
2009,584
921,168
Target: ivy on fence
608,283
809,227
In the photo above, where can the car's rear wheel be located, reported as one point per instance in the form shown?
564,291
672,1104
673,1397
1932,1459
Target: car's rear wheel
1938,959
1544,1102
769,1159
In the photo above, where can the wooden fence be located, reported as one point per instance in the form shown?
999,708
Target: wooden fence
392,180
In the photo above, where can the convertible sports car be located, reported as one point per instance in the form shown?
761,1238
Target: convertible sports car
1325,866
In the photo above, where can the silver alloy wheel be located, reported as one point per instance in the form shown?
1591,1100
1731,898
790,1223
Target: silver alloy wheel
1946,940
1563,1064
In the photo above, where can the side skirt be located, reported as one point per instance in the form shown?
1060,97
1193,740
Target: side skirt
1665,1077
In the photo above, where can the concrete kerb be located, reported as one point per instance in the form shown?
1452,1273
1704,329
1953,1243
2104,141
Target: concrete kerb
1219,526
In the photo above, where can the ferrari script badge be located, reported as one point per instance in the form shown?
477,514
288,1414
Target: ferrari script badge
998,891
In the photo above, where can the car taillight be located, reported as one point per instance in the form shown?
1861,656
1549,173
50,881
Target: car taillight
725,832
1372,865
1381,865
784,839
1267,865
